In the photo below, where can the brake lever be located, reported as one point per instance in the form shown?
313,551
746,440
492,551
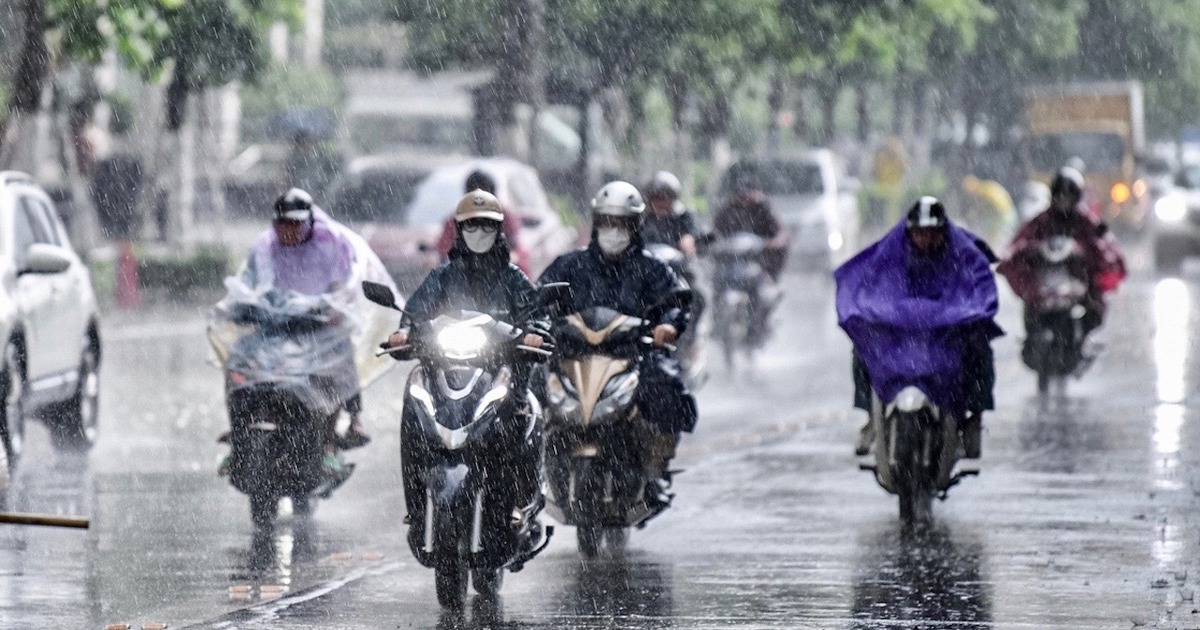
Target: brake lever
389,350
668,346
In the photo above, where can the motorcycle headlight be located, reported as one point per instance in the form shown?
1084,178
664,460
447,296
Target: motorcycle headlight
495,395
1170,208
461,342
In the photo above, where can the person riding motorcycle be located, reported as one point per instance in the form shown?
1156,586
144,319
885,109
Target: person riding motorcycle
749,210
511,226
669,221
478,277
926,283
303,253
1103,264
614,271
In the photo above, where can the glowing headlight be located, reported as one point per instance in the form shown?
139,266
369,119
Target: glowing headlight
462,342
1170,209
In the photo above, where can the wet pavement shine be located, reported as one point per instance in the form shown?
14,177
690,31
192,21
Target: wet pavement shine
1085,515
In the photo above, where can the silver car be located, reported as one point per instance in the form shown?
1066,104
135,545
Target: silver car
816,202
48,323
1176,225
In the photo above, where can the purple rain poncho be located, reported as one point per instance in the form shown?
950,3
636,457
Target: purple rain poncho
912,318
311,268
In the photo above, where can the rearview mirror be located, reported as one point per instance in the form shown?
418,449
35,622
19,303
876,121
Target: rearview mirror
380,294
45,258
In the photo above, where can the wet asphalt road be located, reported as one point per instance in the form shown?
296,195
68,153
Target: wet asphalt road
1084,517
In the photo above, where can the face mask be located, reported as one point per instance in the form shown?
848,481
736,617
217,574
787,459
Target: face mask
479,241
613,241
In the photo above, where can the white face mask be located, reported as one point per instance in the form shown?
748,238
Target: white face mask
613,240
479,241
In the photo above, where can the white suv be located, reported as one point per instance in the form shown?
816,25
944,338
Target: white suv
49,366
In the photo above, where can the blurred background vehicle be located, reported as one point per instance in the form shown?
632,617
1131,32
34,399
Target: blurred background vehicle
48,323
817,203
399,204
1176,224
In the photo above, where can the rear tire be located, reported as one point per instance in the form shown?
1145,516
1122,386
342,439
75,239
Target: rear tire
304,506
590,537
263,508
616,538
13,389
488,582
77,426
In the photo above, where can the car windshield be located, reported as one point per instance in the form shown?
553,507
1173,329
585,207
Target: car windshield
376,197
779,178
1099,151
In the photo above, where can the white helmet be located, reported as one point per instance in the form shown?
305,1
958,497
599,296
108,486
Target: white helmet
619,199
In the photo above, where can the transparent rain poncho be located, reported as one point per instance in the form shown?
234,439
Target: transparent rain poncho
320,348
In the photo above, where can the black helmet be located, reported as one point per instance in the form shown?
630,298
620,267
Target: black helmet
479,180
294,205
664,183
1067,180
927,212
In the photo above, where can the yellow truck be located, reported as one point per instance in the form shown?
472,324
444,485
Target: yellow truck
1100,126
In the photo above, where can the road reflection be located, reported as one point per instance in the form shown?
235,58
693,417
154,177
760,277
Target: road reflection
923,575
1057,439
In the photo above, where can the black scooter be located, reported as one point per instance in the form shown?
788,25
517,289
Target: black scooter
471,449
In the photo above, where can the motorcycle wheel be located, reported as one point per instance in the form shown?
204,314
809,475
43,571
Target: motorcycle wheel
590,537
914,486
616,538
262,510
303,506
487,582
450,572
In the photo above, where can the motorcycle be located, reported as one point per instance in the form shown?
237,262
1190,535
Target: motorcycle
1054,347
741,285
692,353
284,379
594,431
916,450
471,450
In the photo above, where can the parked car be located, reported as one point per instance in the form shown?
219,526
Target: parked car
1176,224
48,323
817,203
405,227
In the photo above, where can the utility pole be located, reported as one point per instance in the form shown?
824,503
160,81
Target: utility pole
314,32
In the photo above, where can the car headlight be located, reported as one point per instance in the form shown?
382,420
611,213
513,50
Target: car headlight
461,342
1170,209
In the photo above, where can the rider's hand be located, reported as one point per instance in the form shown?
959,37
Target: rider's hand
664,334
533,341
397,339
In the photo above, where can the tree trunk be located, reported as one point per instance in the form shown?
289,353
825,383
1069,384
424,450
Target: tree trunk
800,126
314,32
863,109
21,132
829,100
775,102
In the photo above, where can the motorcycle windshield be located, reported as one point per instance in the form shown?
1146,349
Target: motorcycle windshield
598,329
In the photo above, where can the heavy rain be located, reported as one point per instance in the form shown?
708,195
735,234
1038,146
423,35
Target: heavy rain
591,314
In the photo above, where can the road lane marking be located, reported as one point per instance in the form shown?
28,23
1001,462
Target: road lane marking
269,611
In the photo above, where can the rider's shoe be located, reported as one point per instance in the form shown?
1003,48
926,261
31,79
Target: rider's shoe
866,437
972,436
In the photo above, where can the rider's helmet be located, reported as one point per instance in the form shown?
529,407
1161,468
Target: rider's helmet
619,199
478,204
1067,181
928,212
479,180
664,183
294,205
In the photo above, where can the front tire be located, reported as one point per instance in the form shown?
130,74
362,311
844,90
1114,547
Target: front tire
263,508
12,425
488,582
915,484
589,537
77,427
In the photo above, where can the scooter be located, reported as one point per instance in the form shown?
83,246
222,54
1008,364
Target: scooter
595,434
471,450
692,353
1054,347
916,452
738,279
283,380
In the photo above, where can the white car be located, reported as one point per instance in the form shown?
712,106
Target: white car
48,323
1176,224
816,202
